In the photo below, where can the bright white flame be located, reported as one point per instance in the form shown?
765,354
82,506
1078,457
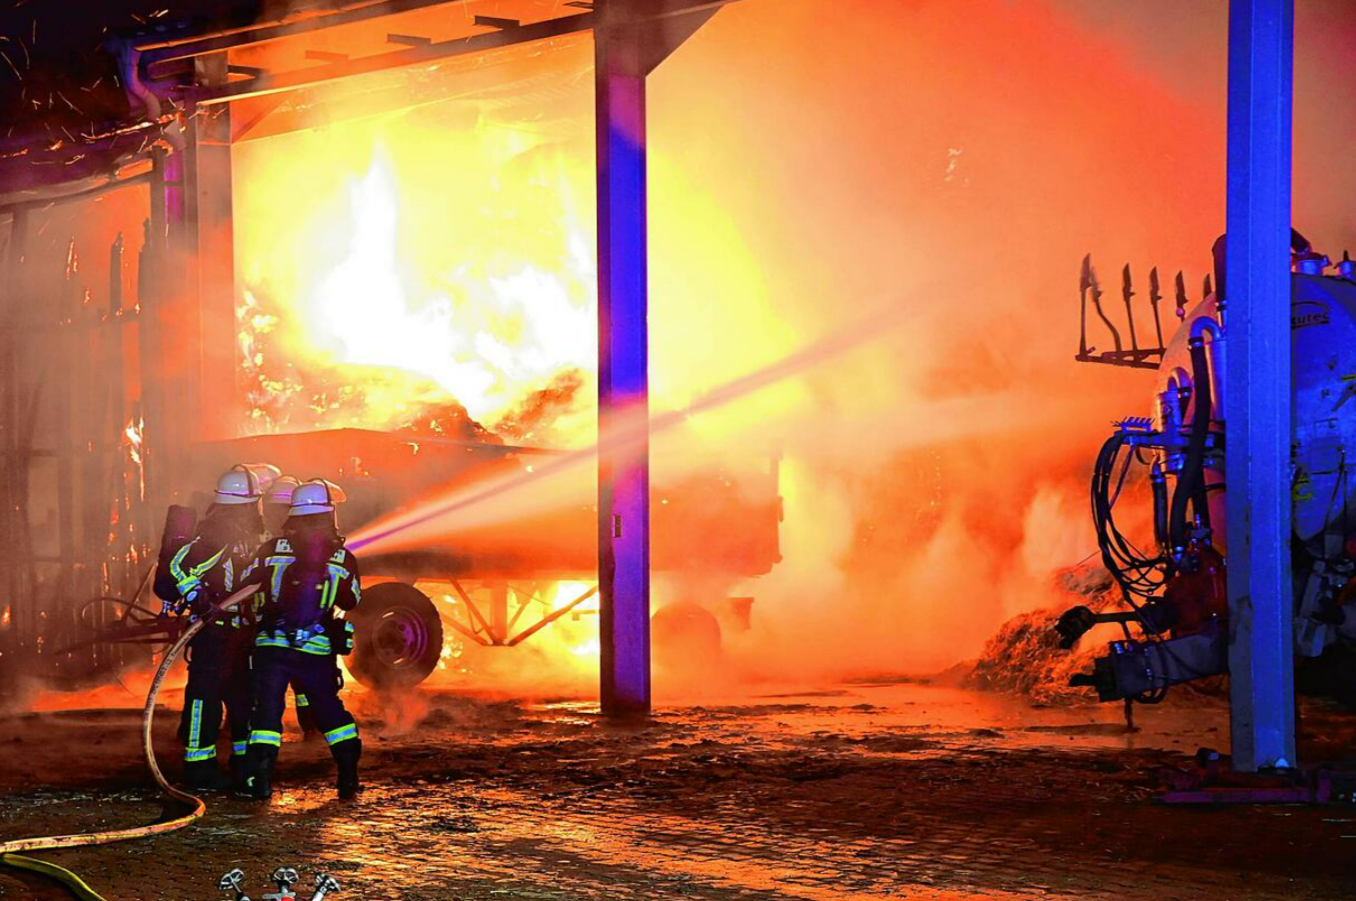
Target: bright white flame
364,314
487,331
590,648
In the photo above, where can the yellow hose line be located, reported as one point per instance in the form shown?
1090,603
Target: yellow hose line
78,886
8,849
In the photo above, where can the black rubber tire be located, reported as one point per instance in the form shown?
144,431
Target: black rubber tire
685,635
398,637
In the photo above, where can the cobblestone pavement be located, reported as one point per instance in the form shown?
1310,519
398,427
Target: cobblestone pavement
863,791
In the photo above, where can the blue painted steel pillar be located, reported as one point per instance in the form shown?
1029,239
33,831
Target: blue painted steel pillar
635,37
623,376
1257,373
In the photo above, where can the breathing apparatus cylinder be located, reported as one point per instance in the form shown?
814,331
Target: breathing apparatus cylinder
181,524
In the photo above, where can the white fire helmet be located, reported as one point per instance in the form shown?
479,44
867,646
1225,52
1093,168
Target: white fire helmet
266,473
281,491
238,485
316,496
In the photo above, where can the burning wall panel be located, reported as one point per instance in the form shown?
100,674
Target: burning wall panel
75,519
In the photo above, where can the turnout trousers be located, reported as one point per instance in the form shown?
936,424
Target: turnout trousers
314,675
218,676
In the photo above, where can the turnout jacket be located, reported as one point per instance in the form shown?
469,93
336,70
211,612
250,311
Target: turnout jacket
296,604
207,567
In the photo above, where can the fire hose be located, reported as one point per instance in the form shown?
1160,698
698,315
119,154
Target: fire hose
9,851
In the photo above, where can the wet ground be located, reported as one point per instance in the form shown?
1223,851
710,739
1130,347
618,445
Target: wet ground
856,791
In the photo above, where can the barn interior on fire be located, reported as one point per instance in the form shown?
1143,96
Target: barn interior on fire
715,388
187,327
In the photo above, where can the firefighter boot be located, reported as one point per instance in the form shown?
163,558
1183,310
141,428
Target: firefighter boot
258,784
240,774
346,754
204,775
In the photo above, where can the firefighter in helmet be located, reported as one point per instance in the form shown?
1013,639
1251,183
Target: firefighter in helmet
307,579
277,506
278,503
207,567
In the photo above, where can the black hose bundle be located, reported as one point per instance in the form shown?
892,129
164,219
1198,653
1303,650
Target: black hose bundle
1191,481
1139,575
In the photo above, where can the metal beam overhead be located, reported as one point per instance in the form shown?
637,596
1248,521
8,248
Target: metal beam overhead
154,51
644,13
1257,374
426,53
208,170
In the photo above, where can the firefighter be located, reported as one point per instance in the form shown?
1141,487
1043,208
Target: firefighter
277,504
218,657
307,578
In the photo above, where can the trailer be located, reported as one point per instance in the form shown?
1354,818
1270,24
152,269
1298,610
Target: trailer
503,579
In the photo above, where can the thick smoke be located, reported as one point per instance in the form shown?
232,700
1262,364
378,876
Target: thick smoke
812,161
935,480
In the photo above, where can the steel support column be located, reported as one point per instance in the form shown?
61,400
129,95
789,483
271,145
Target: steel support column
627,48
210,141
623,378
1257,373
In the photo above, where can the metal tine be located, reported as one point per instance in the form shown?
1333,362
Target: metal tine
1127,292
1155,295
1181,295
1096,289
1084,285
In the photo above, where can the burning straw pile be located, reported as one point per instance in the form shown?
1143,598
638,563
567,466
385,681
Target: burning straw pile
1025,656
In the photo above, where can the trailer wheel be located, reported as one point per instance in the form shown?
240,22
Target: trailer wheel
685,636
398,637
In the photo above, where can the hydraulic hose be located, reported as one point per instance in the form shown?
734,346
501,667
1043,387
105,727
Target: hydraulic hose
1139,576
9,855
1158,484
1192,478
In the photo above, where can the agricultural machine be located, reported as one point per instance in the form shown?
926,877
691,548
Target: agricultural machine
1175,588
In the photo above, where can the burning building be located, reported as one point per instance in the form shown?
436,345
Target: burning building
402,244
357,240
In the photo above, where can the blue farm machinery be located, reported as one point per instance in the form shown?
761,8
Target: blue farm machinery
1174,583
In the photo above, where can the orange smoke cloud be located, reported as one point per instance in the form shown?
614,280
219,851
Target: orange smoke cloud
934,481
808,161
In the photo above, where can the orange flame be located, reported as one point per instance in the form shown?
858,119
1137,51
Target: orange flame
448,270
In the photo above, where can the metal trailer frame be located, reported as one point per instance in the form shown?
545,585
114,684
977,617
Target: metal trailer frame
115,621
